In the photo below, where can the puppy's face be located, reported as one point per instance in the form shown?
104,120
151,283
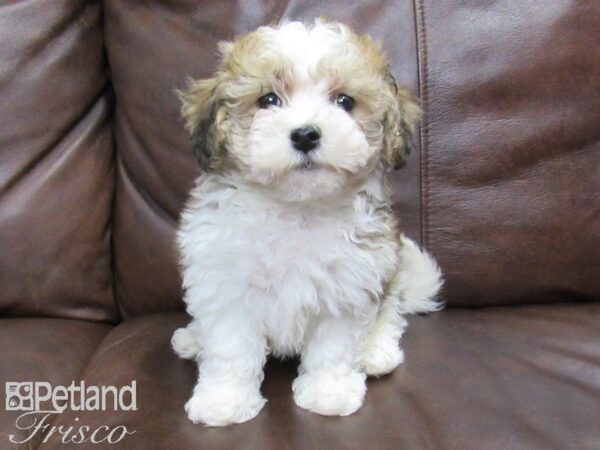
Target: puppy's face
304,111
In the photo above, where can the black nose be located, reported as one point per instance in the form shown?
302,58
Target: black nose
305,138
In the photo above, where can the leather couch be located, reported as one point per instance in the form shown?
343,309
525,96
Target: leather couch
503,188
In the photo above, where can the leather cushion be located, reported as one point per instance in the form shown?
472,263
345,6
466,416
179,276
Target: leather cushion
56,162
511,148
497,378
52,350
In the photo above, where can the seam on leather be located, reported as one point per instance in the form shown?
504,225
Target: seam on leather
424,126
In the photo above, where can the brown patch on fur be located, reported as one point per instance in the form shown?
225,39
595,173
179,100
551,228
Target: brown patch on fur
400,119
204,116
402,111
370,82
219,106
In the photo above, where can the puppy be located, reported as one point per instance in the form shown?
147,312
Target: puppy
288,242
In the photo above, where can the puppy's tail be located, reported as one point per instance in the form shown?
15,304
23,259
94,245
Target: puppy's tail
185,344
419,280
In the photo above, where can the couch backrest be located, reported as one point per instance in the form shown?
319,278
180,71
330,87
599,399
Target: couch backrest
503,186
511,148
56,162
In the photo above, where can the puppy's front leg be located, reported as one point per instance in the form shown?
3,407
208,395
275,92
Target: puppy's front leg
230,370
330,381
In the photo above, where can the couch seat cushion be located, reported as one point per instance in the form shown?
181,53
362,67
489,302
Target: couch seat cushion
51,350
495,378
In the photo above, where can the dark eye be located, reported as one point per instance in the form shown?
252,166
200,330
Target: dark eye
345,101
269,99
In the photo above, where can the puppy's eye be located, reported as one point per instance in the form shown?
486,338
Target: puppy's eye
345,102
269,99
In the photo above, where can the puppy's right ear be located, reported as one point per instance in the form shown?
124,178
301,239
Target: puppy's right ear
203,116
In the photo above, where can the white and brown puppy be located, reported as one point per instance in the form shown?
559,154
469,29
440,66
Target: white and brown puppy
288,242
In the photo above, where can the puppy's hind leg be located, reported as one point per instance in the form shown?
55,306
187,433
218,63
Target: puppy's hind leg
184,342
382,350
413,290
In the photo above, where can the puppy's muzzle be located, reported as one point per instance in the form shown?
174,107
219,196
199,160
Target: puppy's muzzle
305,138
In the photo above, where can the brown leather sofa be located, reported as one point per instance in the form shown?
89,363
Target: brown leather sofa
503,188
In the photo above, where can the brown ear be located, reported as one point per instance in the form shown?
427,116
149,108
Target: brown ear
203,114
400,119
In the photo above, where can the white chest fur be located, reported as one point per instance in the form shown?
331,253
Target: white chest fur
283,263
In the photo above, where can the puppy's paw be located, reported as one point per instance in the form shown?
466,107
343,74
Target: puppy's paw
382,356
185,344
328,394
221,405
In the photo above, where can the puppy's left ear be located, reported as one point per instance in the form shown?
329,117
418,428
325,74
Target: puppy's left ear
399,122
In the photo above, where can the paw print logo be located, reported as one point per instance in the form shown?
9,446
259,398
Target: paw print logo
19,396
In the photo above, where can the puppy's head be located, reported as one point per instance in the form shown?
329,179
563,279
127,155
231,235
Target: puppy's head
303,111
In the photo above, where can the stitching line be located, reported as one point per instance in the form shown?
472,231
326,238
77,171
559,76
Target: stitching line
424,128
